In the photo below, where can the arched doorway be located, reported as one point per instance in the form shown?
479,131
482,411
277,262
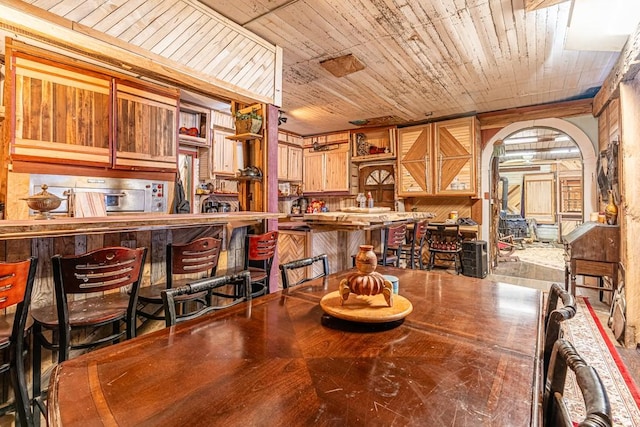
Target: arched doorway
581,139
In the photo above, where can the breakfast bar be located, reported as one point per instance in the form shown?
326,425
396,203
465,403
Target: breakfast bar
468,354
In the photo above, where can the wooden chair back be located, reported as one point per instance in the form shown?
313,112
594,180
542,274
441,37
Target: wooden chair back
444,237
16,286
553,318
261,247
289,267
554,410
198,256
196,288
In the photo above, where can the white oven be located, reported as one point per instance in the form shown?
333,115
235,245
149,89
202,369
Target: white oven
121,196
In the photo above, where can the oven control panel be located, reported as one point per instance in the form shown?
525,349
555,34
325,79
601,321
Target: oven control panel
158,197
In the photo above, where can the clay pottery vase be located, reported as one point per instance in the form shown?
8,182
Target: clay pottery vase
366,259
611,211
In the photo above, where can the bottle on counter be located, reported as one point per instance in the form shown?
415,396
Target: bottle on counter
369,200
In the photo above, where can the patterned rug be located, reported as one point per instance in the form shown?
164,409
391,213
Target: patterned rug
547,257
591,341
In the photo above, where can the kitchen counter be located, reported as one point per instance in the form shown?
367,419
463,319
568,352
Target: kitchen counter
363,220
68,226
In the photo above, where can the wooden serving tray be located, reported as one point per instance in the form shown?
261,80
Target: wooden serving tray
366,309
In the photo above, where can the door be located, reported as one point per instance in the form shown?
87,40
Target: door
186,168
380,182
539,200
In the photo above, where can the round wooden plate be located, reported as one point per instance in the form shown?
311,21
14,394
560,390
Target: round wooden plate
366,309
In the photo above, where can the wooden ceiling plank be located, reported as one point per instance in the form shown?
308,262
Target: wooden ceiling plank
532,5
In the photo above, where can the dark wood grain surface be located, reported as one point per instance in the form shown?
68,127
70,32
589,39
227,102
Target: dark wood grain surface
468,355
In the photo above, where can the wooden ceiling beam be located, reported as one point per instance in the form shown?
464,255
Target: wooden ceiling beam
625,69
502,118
531,5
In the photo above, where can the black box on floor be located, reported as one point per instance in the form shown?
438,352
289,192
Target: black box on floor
474,258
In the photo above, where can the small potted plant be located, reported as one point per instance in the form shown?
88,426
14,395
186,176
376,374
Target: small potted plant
248,122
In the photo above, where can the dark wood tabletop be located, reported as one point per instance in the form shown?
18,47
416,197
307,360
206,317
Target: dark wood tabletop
468,355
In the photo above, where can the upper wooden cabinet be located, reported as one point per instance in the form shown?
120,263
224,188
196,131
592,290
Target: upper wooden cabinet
69,115
145,128
326,170
194,125
289,157
369,144
438,158
61,115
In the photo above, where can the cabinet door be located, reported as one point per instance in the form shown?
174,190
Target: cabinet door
295,164
283,161
414,161
223,153
61,114
454,146
145,128
337,168
313,171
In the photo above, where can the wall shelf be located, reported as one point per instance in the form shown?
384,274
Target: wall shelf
245,137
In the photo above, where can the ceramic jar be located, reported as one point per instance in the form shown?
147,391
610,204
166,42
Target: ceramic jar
611,210
366,259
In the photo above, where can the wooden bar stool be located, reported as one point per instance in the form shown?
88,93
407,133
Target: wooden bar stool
259,253
16,284
185,263
411,252
106,271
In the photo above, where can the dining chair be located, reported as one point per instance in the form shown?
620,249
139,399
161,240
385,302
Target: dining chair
185,262
193,290
288,270
95,289
411,252
553,318
554,409
445,244
394,238
16,285
258,260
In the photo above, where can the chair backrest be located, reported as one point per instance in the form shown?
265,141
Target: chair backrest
553,318
16,286
554,409
198,256
98,271
199,286
260,250
444,236
396,236
288,267
420,232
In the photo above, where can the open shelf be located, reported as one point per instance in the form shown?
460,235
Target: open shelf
245,137
245,178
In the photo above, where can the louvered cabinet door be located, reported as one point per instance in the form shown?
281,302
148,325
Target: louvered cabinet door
455,163
415,174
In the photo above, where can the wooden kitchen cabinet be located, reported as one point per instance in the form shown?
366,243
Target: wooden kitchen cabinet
327,170
194,118
61,114
289,157
225,153
438,158
145,127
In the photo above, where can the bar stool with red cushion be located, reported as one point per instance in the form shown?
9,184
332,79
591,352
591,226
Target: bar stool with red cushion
16,285
395,238
114,273
185,262
411,252
259,253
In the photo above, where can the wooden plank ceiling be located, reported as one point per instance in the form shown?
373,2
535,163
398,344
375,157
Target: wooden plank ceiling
422,59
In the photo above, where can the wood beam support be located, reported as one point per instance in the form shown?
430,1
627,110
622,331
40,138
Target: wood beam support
502,118
626,68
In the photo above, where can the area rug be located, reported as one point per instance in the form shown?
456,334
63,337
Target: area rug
545,257
591,341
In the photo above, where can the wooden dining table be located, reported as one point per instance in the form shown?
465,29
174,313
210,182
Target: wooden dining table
468,354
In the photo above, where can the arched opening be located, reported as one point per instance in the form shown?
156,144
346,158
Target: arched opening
549,168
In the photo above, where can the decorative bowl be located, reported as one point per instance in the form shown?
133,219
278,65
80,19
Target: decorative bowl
43,202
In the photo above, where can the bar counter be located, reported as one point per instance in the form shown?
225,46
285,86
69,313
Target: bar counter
68,226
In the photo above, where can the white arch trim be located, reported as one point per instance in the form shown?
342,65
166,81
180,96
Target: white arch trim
587,149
